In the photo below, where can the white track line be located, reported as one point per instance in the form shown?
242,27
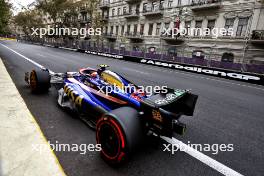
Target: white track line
26,58
189,150
203,158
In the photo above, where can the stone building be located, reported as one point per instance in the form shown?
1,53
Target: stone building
148,24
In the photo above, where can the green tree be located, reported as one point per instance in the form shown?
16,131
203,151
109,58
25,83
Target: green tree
92,8
5,15
94,14
58,10
27,20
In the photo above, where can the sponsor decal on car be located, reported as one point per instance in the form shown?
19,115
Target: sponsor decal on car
74,95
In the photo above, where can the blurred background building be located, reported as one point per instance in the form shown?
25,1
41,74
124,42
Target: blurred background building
139,25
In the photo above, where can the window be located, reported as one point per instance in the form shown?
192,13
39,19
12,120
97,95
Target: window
136,48
150,29
198,27
166,29
187,27
153,6
135,29
129,9
229,24
128,29
198,54
198,24
152,49
85,18
161,4
242,26
122,30
113,12
142,29
107,13
104,14
124,10
227,57
167,25
170,3
145,7
172,51
211,25
158,29
179,2
118,11
137,9
112,30
117,30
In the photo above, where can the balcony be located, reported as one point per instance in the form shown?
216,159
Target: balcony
172,39
104,5
257,37
157,11
110,36
131,14
132,1
135,37
198,5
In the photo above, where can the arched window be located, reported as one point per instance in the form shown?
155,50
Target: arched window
227,57
172,51
136,48
152,49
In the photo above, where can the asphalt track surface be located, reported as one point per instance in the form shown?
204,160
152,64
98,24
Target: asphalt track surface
227,112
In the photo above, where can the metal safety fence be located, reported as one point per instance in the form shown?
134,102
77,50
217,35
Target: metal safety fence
207,56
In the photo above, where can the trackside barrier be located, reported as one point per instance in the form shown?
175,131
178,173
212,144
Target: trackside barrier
251,73
217,72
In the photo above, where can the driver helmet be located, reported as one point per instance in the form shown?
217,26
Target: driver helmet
94,75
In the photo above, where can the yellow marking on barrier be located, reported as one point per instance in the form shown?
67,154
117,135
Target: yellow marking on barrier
3,38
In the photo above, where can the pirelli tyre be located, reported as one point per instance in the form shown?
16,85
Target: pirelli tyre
39,81
119,133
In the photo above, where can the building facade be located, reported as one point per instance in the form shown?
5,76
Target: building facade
148,25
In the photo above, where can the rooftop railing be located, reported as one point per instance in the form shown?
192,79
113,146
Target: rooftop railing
131,14
104,4
205,4
157,10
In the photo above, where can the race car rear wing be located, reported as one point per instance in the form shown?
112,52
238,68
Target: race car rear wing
162,111
175,101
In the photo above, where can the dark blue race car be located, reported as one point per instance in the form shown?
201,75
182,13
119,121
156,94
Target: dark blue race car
120,111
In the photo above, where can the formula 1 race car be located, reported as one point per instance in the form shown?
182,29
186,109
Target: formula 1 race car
120,117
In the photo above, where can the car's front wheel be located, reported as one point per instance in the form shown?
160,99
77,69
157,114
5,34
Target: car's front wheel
39,80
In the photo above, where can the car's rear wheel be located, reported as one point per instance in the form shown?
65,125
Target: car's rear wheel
39,81
119,133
